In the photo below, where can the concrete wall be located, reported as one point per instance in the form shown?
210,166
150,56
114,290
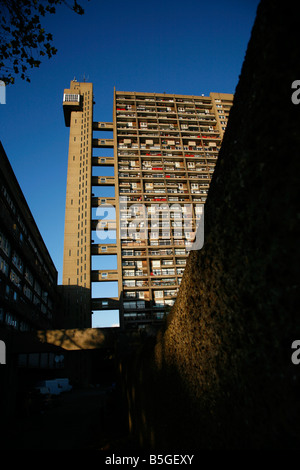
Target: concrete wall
222,375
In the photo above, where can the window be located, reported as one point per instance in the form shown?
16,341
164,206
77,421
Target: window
167,262
167,271
128,272
27,292
129,283
15,279
127,252
28,276
170,293
156,263
3,266
129,305
130,295
37,288
158,294
11,320
71,97
4,244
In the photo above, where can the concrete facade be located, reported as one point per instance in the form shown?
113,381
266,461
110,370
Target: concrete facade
78,112
165,148
28,277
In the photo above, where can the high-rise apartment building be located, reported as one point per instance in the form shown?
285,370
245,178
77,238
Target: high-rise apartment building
165,148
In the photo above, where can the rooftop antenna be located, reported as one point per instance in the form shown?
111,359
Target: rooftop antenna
84,78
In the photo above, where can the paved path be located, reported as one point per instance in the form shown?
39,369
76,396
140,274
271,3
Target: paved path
80,420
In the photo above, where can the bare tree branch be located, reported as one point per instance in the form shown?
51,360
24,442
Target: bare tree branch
23,40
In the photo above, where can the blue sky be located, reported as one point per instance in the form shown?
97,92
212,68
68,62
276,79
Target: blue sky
189,47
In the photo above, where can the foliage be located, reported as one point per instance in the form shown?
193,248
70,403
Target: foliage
23,40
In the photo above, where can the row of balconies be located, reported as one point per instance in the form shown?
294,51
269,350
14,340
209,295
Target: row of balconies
162,109
162,199
110,181
148,187
148,199
134,283
166,99
173,129
142,264
153,135
127,273
143,102
170,242
153,113
210,146
101,275
197,119
161,123
158,213
151,253
144,308
163,294
174,172
168,159
178,166
162,115
161,195
134,319
157,142
143,154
